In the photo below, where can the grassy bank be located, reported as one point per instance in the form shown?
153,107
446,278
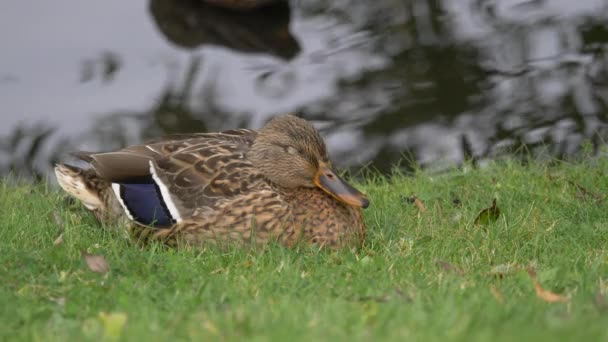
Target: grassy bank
427,272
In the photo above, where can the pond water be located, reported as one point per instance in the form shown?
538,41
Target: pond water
387,82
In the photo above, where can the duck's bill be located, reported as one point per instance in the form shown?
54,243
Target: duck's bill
327,180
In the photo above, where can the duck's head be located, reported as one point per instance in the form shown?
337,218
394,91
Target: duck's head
290,153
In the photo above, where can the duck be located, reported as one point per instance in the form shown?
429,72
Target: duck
237,186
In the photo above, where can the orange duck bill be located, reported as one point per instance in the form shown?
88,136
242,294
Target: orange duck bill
327,180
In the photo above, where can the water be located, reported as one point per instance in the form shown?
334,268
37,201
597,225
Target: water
426,81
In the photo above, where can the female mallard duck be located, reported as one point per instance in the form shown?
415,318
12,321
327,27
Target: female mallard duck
233,186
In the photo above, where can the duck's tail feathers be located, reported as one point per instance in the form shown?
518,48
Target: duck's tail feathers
143,199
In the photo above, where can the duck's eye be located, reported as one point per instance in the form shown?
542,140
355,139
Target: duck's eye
291,150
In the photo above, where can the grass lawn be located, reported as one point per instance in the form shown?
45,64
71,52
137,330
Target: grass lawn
426,273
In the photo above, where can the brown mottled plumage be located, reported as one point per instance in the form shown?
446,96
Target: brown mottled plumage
238,186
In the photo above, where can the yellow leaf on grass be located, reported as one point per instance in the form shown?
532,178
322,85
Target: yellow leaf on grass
113,323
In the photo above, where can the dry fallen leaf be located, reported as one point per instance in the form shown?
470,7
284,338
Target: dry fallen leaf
96,263
547,295
420,205
488,215
543,294
497,293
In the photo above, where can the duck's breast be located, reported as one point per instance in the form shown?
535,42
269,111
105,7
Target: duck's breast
325,220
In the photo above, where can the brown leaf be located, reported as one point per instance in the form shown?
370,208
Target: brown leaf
543,294
497,293
420,205
547,295
446,266
488,215
96,263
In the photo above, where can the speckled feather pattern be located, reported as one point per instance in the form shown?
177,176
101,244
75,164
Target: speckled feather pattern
222,197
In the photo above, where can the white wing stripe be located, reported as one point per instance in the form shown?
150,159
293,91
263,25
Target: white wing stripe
116,189
166,195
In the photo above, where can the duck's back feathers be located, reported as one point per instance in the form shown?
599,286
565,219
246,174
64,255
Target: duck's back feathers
201,175
162,182
134,161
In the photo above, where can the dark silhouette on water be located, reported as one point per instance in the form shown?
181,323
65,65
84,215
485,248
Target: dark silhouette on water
192,23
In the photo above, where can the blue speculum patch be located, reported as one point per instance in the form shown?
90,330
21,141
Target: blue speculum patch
145,203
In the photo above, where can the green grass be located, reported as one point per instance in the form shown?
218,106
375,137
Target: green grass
421,276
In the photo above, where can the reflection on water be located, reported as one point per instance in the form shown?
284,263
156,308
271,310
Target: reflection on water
429,80
192,23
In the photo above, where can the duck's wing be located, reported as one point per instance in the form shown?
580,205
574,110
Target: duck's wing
163,182
201,176
134,161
